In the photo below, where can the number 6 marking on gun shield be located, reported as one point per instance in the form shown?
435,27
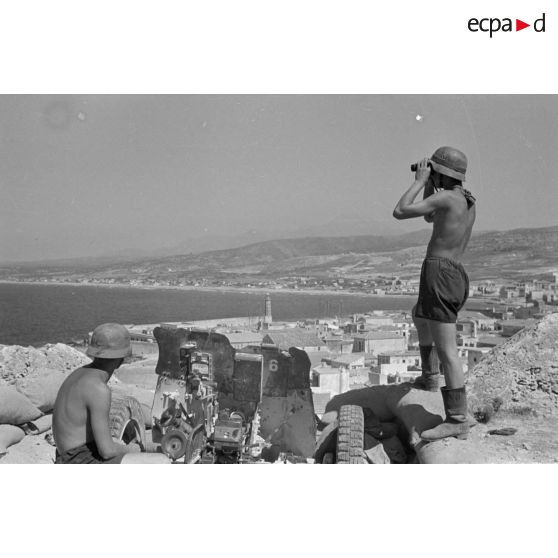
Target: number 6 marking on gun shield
273,366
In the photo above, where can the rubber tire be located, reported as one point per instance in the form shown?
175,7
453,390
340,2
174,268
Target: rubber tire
125,414
350,435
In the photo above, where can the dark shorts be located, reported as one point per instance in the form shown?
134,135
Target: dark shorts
86,454
444,289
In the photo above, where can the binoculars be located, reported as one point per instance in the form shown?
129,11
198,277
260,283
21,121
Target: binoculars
414,167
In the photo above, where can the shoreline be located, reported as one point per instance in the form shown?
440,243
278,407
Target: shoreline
388,302
243,290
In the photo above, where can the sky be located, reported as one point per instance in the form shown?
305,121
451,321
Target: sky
89,175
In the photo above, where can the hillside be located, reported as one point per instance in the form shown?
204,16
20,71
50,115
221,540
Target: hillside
495,254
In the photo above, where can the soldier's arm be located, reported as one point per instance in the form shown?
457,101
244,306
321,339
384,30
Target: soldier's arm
98,406
407,208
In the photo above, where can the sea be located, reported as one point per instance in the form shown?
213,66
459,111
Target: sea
34,314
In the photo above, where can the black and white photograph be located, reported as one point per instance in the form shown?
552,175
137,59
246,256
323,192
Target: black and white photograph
265,234
311,279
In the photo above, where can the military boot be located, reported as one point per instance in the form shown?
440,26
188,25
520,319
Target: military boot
456,424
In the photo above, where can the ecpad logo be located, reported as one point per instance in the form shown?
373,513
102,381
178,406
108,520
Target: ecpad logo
492,25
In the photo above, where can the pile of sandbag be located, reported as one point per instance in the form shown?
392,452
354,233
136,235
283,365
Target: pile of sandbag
25,408
29,382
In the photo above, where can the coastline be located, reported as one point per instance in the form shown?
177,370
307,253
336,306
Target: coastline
43,315
243,290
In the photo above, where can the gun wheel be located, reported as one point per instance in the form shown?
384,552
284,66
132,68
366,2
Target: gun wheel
350,435
126,422
174,444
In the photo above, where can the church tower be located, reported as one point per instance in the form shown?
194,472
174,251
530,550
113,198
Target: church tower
267,316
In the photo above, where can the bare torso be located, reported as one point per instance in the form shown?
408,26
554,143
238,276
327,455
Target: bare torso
70,421
452,227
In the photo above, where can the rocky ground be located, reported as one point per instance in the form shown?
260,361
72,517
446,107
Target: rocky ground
520,376
534,442
19,362
514,389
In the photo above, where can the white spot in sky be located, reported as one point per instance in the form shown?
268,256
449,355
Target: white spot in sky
418,117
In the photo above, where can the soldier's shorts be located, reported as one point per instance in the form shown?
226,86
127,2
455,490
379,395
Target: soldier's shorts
85,454
444,289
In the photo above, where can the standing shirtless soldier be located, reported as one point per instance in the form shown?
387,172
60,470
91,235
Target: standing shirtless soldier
444,285
81,412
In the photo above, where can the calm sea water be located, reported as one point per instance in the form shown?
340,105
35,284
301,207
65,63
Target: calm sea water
39,314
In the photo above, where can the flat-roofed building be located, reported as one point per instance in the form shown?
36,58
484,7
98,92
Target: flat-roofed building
326,378
238,340
339,344
408,358
350,361
295,337
378,342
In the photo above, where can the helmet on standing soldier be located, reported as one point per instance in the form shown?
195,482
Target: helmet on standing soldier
450,162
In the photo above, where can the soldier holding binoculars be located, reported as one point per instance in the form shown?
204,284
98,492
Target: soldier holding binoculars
444,284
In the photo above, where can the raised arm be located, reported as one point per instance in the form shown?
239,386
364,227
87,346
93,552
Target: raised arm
407,208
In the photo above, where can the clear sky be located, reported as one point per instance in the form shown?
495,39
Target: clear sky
91,174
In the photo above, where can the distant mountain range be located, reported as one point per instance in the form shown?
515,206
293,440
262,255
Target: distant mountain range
189,244
494,254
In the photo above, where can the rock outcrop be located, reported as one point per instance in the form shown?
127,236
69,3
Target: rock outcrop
521,375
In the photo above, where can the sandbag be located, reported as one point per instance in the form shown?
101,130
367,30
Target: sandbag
42,389
15,408
374,451
9,435
450,451
39,426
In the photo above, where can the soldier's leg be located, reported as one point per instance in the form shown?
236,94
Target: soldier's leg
430,377
454,396
445,339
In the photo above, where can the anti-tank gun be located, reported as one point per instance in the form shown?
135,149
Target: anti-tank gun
213,403
192,420
185,401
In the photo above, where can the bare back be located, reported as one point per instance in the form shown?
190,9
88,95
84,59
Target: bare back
71,421
452,227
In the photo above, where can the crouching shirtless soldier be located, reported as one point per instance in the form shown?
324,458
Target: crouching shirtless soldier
444,285
80,420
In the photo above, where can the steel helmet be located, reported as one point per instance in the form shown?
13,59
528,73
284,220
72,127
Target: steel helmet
109,341
449,161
